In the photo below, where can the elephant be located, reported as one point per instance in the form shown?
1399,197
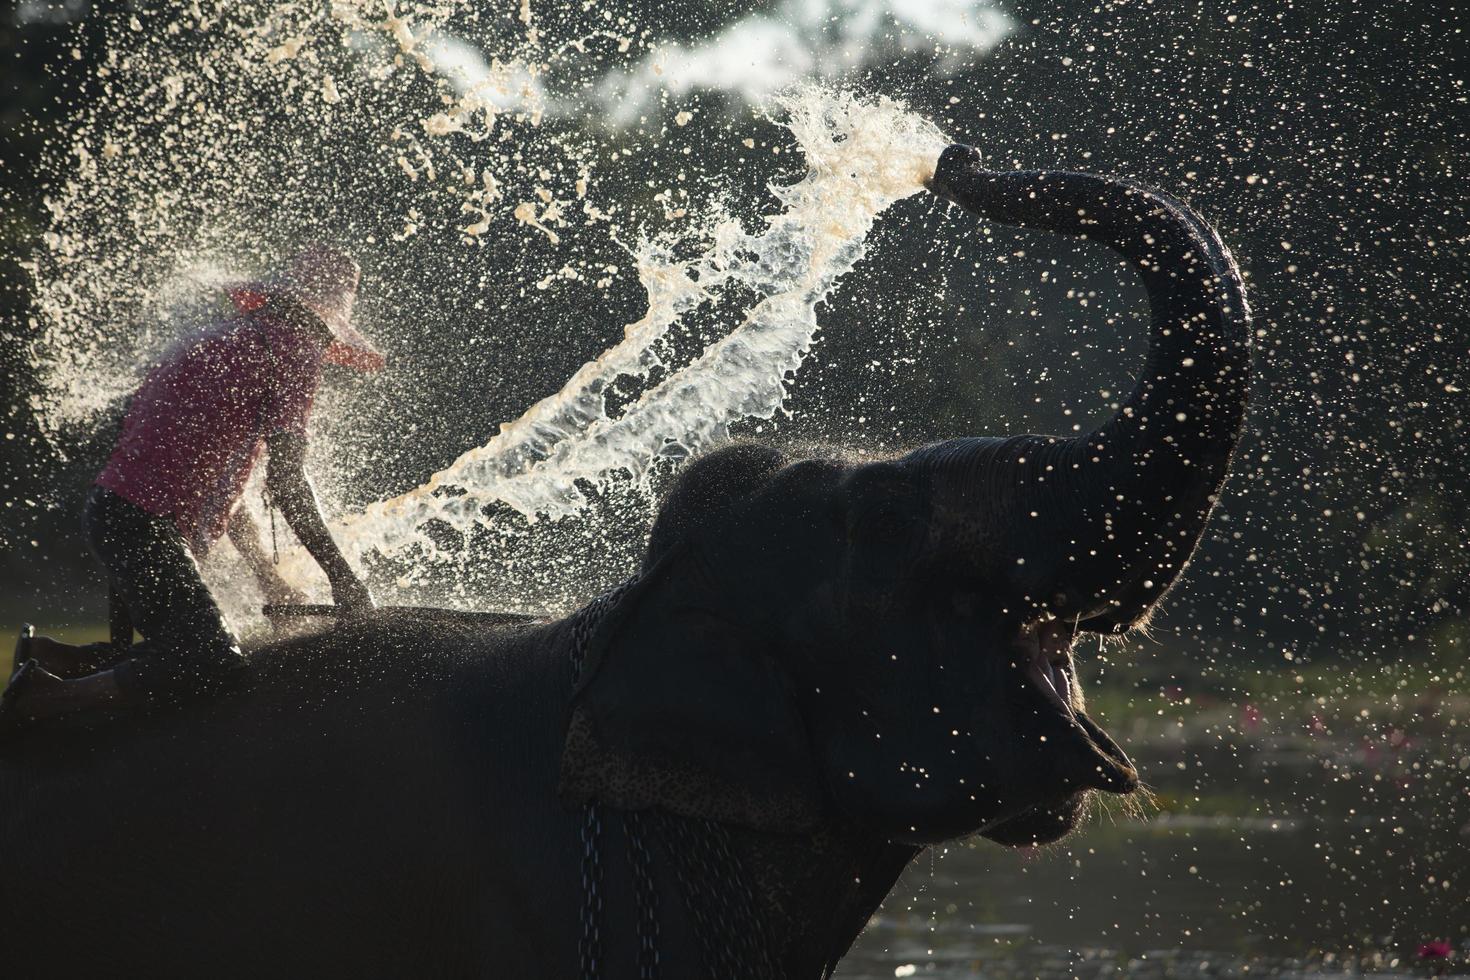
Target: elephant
718,769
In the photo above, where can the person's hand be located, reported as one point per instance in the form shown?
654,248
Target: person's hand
351,594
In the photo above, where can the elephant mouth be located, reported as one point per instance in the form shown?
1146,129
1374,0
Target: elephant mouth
1046,657
1038,825
1048,662
1115,773
1100,765
1082,758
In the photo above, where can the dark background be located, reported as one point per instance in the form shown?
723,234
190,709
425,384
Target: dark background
1327,140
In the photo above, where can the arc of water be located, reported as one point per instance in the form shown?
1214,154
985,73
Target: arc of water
861,157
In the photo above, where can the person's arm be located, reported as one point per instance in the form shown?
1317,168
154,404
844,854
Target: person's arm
244,534
292,492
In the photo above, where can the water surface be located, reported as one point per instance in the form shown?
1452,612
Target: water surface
1286,843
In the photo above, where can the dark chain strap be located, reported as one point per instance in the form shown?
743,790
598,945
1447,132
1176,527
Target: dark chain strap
647,896
586,623
676,833
748,922
591,945
732,935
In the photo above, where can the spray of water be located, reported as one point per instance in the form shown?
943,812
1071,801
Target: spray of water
234,126
219,134
861,157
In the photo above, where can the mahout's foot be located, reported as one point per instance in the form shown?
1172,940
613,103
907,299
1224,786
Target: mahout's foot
22,649
69,661
66,660
37,695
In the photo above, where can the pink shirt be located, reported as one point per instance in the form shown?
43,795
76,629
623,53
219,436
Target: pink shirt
196,426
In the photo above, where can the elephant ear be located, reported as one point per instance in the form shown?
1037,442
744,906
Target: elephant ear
677,709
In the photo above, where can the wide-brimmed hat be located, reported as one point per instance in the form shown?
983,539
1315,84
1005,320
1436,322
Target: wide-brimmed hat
324,280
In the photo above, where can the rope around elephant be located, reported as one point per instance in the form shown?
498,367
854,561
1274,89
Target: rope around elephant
731,934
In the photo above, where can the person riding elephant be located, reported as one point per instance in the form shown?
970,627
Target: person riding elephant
190,438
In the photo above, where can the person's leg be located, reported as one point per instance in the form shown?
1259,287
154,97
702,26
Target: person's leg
187,646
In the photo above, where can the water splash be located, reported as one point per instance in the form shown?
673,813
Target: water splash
217,134
861,157
229,129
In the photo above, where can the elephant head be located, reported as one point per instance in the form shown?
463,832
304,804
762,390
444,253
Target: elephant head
888,643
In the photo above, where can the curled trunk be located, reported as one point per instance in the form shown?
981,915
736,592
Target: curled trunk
1112,516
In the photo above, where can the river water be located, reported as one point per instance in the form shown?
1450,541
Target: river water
1286,843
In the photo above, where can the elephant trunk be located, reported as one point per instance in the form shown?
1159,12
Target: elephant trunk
1112,517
